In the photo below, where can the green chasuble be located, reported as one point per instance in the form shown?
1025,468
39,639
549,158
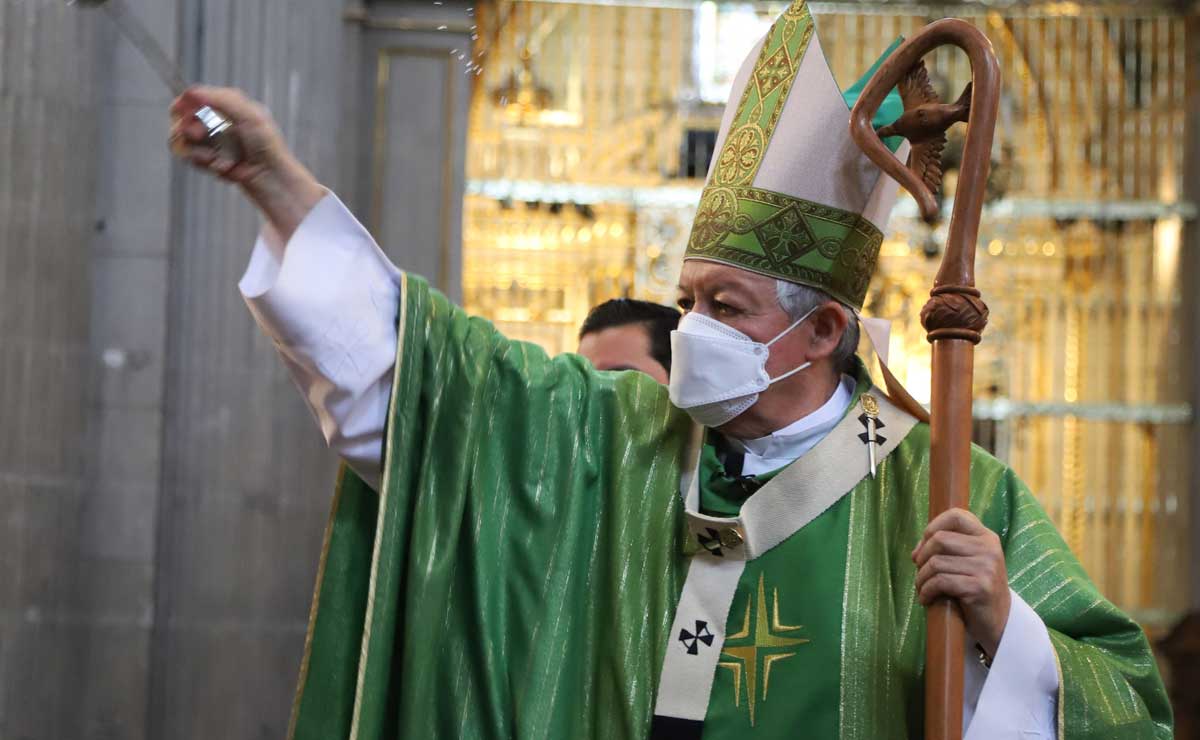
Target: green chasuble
519,572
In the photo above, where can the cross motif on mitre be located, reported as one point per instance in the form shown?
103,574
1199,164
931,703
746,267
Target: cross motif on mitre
773,71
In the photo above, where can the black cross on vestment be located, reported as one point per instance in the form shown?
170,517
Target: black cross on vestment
866,436
692,642
712,542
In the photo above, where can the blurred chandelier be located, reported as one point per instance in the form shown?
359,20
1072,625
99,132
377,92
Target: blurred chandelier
522,98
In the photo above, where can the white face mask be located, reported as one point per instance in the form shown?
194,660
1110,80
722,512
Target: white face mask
717,371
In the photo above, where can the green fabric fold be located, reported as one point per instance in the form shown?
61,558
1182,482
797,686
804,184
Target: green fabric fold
521,571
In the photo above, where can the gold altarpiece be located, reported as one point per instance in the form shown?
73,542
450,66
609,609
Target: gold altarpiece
586,153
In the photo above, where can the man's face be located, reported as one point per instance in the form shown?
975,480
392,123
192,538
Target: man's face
622,348
749,302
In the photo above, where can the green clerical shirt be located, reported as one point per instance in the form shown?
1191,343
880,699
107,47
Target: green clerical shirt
520,568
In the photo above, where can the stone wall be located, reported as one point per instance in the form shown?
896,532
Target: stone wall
163,489
50,66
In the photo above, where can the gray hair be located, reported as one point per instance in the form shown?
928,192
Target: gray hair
797,300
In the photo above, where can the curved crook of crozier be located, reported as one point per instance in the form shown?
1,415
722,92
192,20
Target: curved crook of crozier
955,312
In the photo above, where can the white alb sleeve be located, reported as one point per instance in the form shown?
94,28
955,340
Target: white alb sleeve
1018,696
328,299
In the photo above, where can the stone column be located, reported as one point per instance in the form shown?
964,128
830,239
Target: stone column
51,72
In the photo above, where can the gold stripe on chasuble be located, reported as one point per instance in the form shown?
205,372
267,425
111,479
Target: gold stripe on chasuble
306,656
382,516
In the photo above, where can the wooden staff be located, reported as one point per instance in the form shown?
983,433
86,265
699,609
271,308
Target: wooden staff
955,315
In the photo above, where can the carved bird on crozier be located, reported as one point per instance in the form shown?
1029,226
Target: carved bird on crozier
924,124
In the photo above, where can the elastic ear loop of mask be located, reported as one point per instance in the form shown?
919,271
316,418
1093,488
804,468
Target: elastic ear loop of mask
789,373
795,323
805,366
896,391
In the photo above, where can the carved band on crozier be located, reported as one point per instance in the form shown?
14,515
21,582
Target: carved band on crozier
955,312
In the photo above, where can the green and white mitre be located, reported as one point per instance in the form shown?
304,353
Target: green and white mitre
789,194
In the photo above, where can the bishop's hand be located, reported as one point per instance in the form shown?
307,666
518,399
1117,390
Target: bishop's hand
274,180
959,558
261,144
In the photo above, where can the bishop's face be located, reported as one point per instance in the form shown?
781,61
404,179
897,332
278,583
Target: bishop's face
745,301
749,302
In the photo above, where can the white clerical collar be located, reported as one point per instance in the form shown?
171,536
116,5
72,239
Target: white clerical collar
785,445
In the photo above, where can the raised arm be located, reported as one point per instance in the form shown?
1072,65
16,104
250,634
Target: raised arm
317,284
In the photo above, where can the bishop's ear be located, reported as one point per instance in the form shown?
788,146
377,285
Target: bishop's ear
829,323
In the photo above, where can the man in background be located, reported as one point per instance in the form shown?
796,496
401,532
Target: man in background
628,334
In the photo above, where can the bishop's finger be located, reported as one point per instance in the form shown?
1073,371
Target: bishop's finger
946,585
945,543
230,102
204,157
956,520
190,129
962,565
188,102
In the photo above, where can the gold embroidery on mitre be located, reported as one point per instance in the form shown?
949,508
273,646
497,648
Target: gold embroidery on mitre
740,157
784,237
763,98
773,71
760,643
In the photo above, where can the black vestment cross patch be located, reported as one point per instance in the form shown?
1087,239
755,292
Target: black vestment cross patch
692,641
712,542
866,436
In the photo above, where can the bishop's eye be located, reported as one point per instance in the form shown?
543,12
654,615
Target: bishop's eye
724,309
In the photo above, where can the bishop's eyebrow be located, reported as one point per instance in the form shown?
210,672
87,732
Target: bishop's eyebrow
723,285
734,288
